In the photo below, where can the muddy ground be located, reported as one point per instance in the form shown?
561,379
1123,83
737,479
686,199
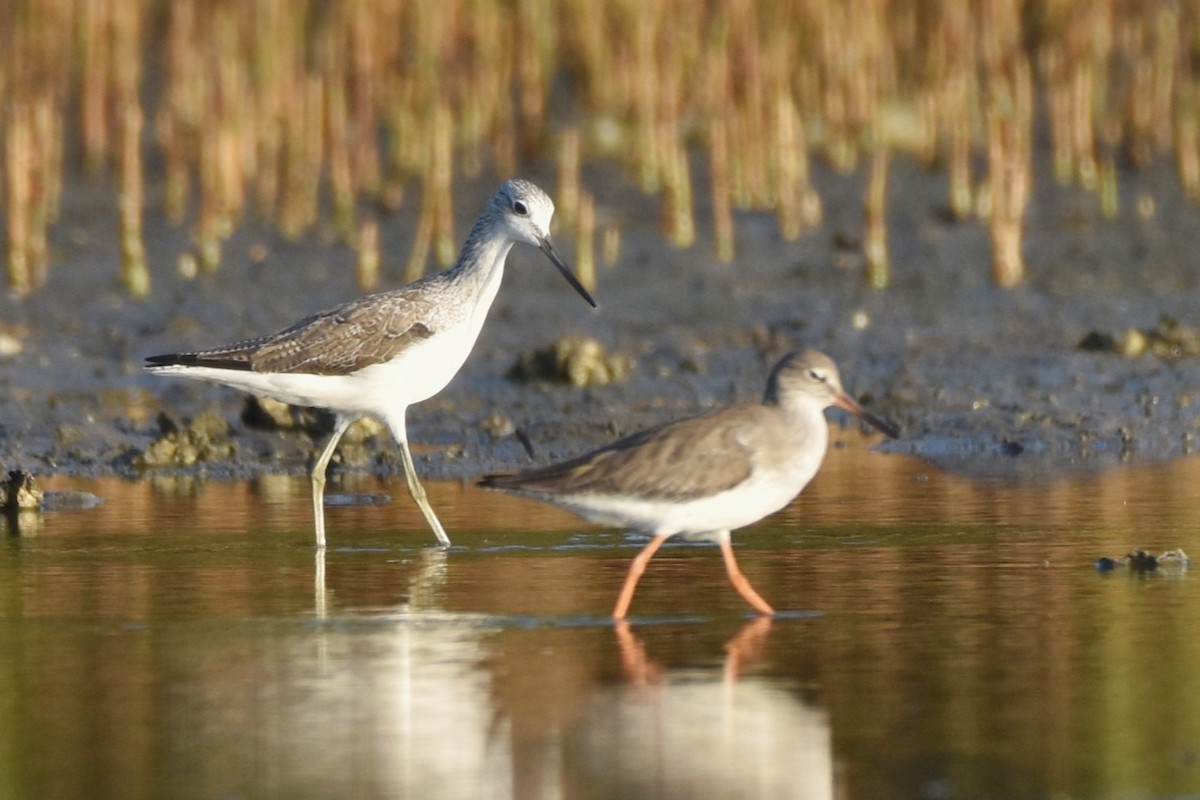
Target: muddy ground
981,380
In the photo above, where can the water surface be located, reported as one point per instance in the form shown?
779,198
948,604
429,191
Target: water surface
938,638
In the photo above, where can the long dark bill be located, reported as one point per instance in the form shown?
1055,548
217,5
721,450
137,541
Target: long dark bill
547,247
846,402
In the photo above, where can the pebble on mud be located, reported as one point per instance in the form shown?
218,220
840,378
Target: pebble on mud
497,426
20,491
353,449
205,439
9,345
1169,339
577,360
267,414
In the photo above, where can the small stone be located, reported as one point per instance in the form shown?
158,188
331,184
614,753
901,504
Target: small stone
265,412
187,265
1169,339
1141,561
20,491
1133,344
1098,343
9,345
205,439
210,426
578,360
497,426
364,429
272,415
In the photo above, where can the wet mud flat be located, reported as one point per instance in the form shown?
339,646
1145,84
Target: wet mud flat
981,380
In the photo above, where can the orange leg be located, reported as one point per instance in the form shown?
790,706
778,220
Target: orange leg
635,573
740,583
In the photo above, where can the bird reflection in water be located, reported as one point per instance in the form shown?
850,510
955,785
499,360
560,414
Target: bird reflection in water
699,732
640,670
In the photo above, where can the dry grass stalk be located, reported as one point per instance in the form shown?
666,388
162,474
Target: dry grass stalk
1187,147
18,141
678,225
645,70
610,244
127,41
47,190
135,274
337,137
442,170
720,189
1106,176
423,236
367,271
435,227
33,80
879,270
1009,125
567,197
95,98
281,102
585,241
788,146
535,44
722,206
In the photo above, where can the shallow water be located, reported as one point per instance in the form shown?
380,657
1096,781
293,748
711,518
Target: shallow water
938,638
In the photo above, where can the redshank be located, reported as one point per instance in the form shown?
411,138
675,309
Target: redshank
381,353
702,477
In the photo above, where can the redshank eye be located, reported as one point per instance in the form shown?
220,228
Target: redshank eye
816,376
520,208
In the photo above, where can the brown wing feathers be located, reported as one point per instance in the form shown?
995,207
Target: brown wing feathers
679,460
370,330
